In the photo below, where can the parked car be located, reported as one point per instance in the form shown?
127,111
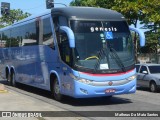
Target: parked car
148,75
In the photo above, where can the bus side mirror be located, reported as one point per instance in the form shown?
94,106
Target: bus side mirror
70,35
141,35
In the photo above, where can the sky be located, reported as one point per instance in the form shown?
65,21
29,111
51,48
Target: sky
33,6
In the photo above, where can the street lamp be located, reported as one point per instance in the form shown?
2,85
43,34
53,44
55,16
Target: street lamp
5,8
49,4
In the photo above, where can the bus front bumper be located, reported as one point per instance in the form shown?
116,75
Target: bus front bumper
82,90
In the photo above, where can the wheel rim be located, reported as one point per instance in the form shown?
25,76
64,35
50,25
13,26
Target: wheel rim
56,88
56,91
152,87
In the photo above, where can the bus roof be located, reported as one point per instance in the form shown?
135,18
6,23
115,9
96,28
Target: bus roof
88,13
79,13
34,16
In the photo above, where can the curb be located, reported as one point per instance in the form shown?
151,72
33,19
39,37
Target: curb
2,89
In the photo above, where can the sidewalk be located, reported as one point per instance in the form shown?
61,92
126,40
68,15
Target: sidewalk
14,101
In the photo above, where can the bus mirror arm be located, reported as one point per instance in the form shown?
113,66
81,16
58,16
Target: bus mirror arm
141,34
70,35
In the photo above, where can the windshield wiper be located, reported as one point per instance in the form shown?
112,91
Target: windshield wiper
102,53
113,54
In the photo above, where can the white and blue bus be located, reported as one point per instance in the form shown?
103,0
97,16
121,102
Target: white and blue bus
75,51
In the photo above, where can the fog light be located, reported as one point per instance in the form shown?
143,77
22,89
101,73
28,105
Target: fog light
84,91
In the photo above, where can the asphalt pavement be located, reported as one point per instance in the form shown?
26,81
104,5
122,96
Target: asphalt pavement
28,99
13,101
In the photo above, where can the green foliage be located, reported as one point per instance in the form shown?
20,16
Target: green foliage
131,9
89,3
14,16
152,43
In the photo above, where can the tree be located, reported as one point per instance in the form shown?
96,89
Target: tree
152,23
83,3
14,16
143,10
129,8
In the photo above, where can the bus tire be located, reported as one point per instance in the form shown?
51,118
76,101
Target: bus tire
56,90
12,79
7,75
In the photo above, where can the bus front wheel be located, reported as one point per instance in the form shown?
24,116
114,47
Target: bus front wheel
56,90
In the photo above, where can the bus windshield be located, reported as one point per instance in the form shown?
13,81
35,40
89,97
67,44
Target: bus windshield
103,45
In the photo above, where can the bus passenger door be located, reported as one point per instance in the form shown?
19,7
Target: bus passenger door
66,57
64,52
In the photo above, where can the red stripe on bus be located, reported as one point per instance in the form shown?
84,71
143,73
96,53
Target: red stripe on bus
116,74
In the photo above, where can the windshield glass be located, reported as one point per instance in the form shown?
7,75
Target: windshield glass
154,69
103,45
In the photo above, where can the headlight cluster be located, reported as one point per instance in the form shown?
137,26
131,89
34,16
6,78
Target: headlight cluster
82,80
85,81
132,77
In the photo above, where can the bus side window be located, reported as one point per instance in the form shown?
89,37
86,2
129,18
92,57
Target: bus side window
6,38
59,21
47,33
62,39
29,34
56,23
1,41
15,41
65,50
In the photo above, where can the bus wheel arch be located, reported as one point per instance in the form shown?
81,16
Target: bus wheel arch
55,87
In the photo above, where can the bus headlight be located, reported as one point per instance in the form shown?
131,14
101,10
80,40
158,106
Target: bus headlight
85,81
132,77
82,80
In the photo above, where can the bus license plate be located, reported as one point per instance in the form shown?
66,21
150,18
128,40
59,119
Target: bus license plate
110,90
